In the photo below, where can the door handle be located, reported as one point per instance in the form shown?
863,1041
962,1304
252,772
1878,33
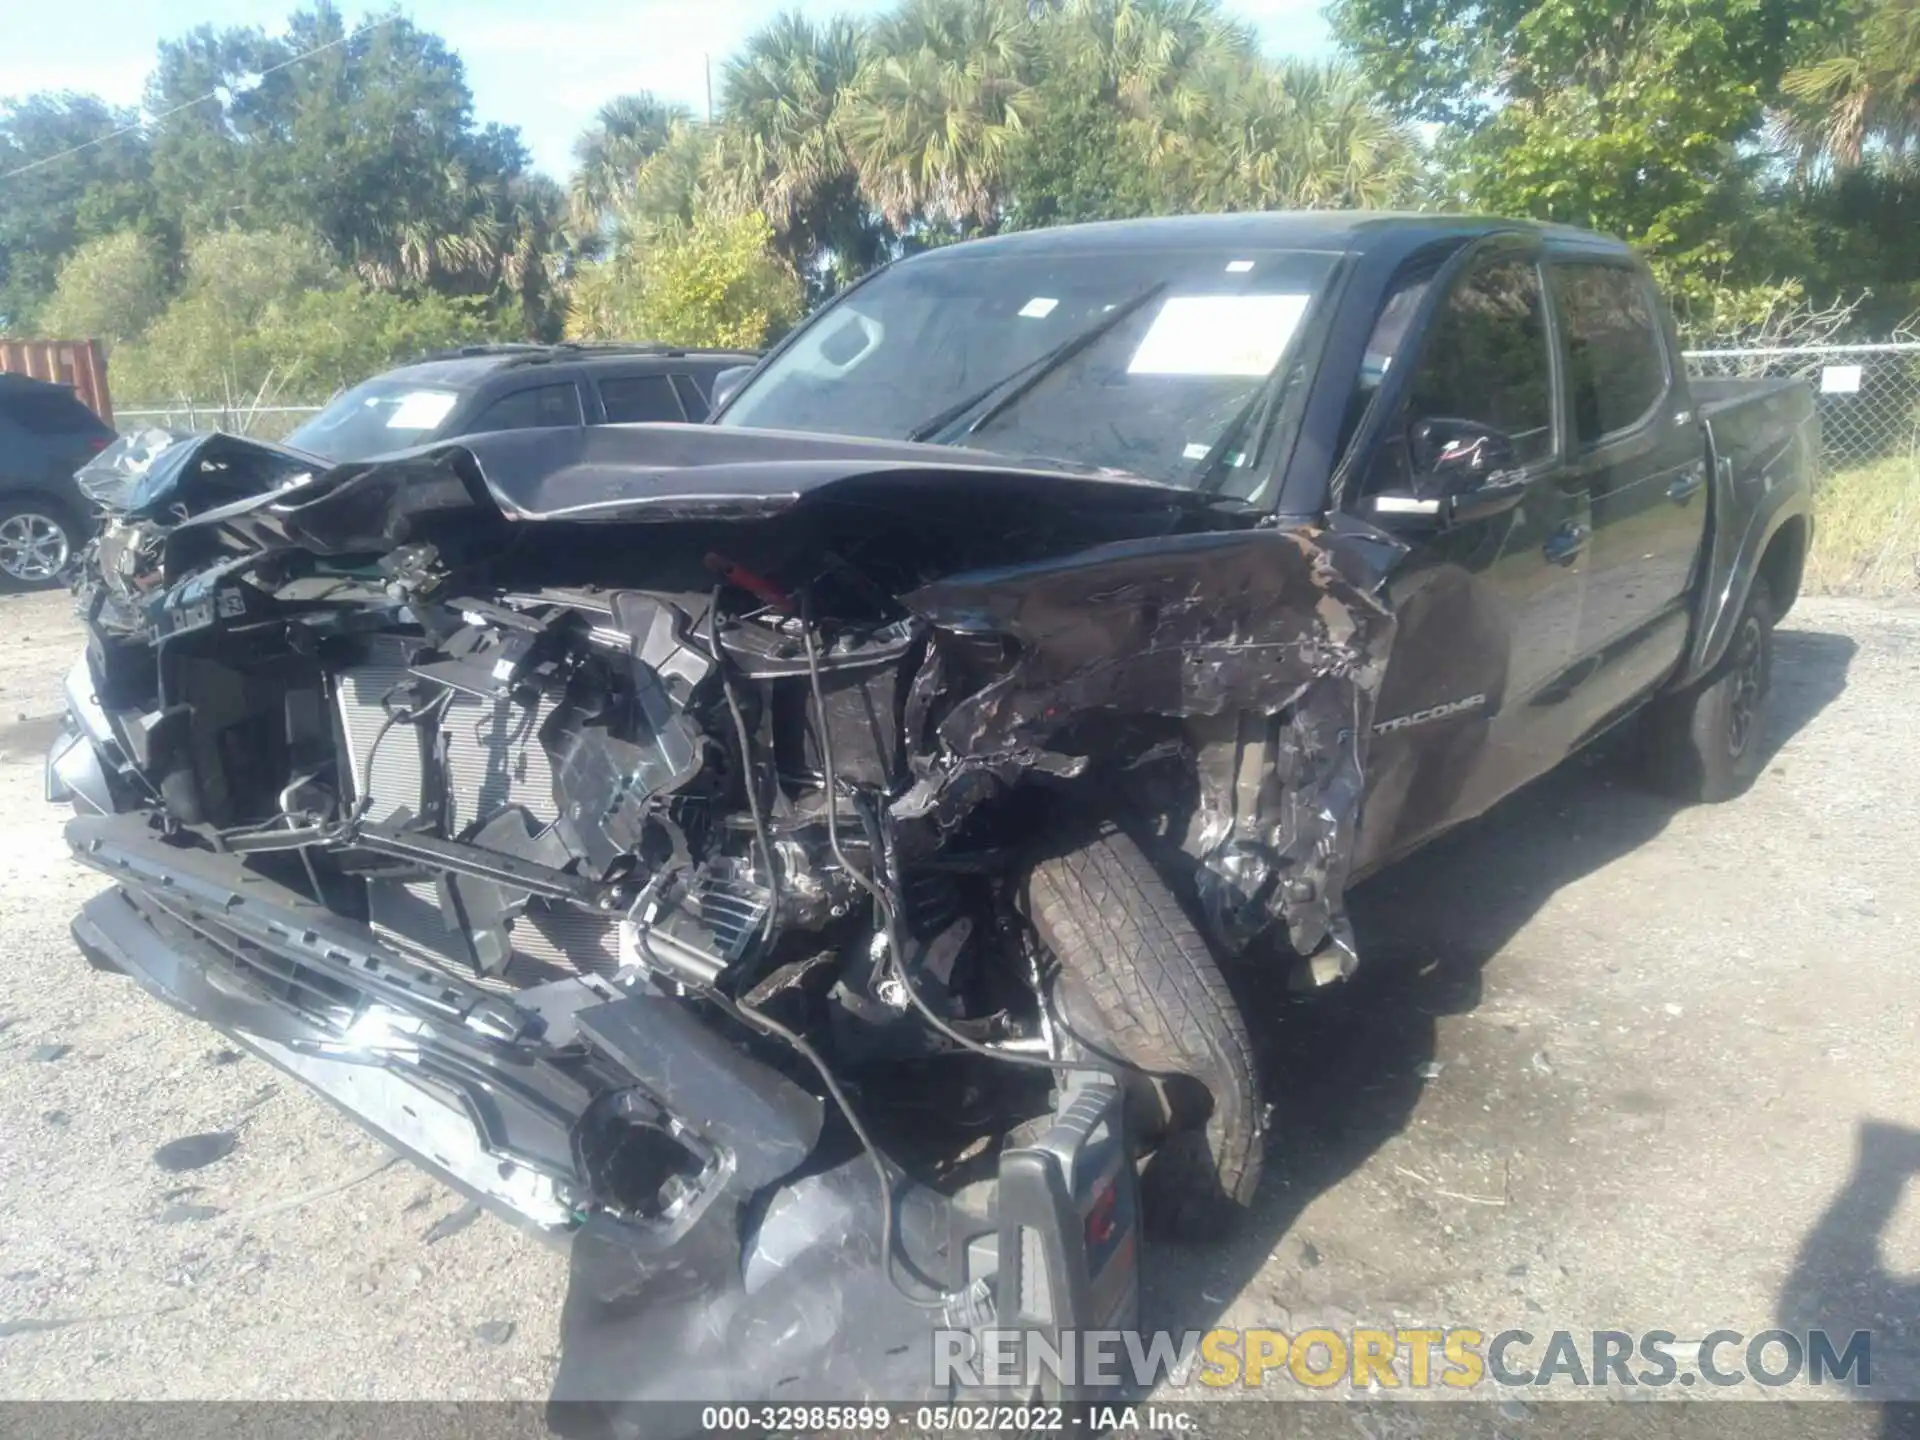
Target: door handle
1566,543
1687,484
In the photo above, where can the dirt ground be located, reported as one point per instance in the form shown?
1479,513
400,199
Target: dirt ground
1608,1064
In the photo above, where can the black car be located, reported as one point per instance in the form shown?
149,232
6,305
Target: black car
514,387
46,434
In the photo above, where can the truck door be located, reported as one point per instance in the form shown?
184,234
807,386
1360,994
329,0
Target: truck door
1488,603
1639,449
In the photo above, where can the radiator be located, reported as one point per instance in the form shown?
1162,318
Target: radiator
494,759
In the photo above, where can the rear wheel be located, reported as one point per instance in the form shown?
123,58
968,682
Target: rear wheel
1706,743
1138,984
37,542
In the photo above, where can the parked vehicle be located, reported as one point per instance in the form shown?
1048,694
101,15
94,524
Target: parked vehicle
792,856
81,365
46,434
514,387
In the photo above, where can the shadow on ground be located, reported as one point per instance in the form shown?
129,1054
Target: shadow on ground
1343,1067
1840,1285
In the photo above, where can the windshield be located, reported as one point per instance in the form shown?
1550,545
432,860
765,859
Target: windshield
1162,364
374,418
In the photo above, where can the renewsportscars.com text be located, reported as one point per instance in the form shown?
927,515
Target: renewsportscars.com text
1456,1359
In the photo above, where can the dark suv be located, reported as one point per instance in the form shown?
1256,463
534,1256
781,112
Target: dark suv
514,387
46,434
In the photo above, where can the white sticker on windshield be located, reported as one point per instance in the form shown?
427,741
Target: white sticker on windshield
1038,308
1239,267
421,410
1194,452
1218,335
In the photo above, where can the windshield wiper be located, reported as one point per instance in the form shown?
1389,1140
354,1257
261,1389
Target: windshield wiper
1251,422
1010,387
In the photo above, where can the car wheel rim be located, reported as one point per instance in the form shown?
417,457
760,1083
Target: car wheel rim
1743,710
33,547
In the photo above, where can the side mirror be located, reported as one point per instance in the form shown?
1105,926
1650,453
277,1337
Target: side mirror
727,382
1458,454
1463,471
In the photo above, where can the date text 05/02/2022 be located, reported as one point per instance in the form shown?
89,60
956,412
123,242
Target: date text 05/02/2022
1091,1419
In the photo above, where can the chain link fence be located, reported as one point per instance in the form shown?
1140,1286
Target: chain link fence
1868,396
263,422
1866,538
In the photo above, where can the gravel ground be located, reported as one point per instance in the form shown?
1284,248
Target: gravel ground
1608,1065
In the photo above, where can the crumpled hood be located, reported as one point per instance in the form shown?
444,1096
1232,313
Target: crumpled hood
592,474
637,472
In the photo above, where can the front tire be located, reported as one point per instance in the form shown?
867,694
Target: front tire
1706,743
38,541
1138,984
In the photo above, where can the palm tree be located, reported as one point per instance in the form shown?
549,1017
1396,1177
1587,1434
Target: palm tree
627,132
781,100
940,102
1305,135
1154,59
1861,99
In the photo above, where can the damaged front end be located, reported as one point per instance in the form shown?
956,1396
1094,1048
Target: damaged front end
629,828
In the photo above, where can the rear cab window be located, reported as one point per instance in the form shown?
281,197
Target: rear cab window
1617,367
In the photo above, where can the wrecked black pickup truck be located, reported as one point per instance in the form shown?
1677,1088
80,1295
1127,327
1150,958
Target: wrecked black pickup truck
787,858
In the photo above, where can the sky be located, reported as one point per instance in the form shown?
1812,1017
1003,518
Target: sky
542,67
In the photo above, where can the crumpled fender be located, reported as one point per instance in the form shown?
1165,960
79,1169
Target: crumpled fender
1271,642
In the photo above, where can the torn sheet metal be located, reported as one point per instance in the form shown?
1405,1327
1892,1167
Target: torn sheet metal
1281,633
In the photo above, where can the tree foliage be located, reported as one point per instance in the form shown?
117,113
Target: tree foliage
715,283
1631,119
269,315
110,289
1748,146
57,196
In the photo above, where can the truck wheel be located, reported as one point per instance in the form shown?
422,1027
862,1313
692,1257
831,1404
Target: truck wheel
1704,744
1138,984
37,542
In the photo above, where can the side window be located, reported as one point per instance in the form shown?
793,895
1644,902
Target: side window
692,397
638,399
530,409
1616,357
1486,358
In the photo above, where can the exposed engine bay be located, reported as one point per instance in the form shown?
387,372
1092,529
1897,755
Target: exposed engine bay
657,803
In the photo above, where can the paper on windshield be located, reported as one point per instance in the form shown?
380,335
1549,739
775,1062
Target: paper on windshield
1218,335
421,410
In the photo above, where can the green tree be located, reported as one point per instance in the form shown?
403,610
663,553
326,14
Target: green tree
1636,120
1860,100
782,149
934,114
369,141
56,196
718,284
109,289
268,315
628,131
1302,136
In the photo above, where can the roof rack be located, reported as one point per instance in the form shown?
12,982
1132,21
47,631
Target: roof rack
521,353
475,352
